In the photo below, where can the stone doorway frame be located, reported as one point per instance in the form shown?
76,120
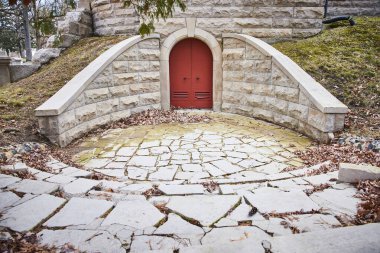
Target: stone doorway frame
191,32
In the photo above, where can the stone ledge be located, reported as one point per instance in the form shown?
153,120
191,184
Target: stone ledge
320,97
68,93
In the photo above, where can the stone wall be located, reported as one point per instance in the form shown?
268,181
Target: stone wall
353,7
255,84
77,24
269,19
251,78
110,18
127,84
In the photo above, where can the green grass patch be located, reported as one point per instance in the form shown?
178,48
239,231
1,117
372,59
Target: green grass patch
18,100
344,59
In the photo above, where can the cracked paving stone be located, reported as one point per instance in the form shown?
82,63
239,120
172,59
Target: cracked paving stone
74,172
234,234
225,222
350,239
242,213
272,200
214,171
146,161
126,151
6,180
79,211
159,150
112,196
7,199
155,243
34,187
274,226
191,175
249,175
60,179
137,214
226,166
244,246
177,226
163,173
181,189
289,184
313,222
83,240
192,167
322,178
80,186
97,163
250,163
136,188
26,216
150,144
204,209
271,168
337,202
115,165
118,173
137,173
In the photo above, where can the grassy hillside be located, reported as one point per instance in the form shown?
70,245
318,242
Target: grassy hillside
346,60
18,100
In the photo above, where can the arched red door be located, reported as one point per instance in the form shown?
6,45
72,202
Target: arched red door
190,64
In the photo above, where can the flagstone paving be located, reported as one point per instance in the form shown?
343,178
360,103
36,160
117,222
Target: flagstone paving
214,186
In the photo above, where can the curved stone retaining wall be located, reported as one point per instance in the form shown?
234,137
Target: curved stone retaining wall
259,18
251,78
261,82
123,80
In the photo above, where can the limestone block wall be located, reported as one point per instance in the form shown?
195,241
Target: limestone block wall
123,80
111,18
76,24
269,19
260,82
354,7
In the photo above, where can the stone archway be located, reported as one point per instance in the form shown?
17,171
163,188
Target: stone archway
191,32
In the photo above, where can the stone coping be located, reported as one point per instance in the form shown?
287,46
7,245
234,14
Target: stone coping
57,104
321,98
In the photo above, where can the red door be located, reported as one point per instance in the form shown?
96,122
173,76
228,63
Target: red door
190,65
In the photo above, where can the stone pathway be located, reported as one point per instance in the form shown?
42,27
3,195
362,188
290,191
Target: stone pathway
202,187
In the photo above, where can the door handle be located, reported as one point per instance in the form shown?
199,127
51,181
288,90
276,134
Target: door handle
197,78
185,78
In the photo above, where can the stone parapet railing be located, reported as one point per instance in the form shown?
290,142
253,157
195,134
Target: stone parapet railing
121,81
259,81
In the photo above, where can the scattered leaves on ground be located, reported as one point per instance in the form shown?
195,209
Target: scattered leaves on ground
335,154
369,208
210,186
149,117
39,157
154,191
317,188
28,243
24,174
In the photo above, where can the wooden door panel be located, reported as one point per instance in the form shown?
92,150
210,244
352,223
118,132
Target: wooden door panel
201,74
190,64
